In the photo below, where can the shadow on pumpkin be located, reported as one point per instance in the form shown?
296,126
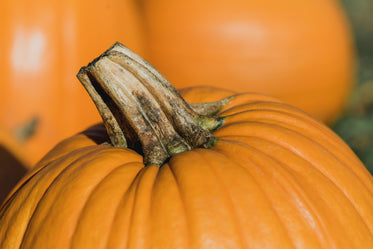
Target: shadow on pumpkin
11,171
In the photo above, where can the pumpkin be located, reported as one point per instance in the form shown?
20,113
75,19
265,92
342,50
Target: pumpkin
247,171
43,44
13,163
299,51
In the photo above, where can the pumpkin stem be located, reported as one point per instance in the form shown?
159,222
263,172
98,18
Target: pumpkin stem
139,105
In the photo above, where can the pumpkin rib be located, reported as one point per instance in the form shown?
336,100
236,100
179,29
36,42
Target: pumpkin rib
56,153
336,158
283,107
93,193
193,203
135,187
260,105
170,165
134,207
168,211
271,159
290,173
30,175
301,124
301,135
128,195
302,156
252,182
59,164
40,223
280,107
247,97
140,193
13,195
347,197
226,192
123,198
289,110
23,181
79,218
358,212
292,113
44,192
187,214
282,130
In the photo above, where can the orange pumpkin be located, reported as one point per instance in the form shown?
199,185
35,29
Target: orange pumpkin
13,163
299,51
269,176
43,44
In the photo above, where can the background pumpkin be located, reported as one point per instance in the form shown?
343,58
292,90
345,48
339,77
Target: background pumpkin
299,51
276,178
43,44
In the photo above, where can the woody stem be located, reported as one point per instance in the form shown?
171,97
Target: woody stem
139,105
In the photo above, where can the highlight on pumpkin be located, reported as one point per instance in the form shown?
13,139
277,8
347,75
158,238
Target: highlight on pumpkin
252,172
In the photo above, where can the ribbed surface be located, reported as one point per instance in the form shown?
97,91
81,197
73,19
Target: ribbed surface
276,179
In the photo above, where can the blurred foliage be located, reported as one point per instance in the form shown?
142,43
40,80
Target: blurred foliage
356,126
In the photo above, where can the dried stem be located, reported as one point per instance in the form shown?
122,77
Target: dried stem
139,105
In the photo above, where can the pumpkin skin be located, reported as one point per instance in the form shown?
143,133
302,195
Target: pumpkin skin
299,51
43,44
276,179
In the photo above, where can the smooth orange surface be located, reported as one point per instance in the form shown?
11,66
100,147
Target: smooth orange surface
43,45
276,179
299,51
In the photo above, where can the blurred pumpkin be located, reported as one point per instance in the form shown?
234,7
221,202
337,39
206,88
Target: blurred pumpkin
299,51
13,162
42,45
269,176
